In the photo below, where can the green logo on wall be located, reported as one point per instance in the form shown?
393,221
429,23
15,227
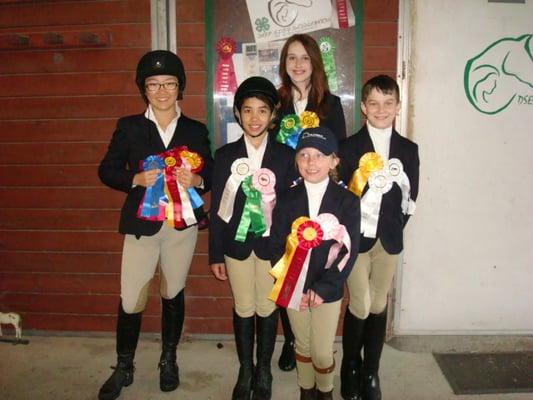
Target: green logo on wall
501,74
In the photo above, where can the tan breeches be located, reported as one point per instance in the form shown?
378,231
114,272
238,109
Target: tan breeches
251,284
370,281
173,249
314,330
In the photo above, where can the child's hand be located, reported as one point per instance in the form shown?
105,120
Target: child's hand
186,178
314,299
304,304
219,270
146,178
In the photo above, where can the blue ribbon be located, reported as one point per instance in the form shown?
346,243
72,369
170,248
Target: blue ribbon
196,200
153,194
292,140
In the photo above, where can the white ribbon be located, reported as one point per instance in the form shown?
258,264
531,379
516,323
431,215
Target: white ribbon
240,169
400,177
379,183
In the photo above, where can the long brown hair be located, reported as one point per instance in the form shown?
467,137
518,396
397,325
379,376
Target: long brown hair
319,82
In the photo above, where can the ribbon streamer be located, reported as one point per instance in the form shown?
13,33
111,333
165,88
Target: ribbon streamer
240,169
264,181
252,217
379,183
327,49
400,177
151,207
225,79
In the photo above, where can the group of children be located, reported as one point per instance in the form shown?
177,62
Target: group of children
288,234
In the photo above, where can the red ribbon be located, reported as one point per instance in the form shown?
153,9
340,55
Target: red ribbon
172,161
225,79
297,261
342,14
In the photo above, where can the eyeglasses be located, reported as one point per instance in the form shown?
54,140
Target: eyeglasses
154,87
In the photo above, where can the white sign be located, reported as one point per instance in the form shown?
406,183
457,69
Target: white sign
279,19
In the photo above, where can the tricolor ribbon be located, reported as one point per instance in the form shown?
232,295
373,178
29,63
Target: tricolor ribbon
327,49
291,270
368,163
175,204
225,79
292,125
240,169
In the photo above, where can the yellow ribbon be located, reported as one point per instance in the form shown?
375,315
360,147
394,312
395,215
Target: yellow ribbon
309,119
368,163
282,266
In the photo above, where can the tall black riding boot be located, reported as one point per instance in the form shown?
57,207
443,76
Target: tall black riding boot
287,359
352,342
244,339
128,329
266,341
373,340
172,315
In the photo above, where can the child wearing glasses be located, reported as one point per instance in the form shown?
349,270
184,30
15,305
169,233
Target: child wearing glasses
157,158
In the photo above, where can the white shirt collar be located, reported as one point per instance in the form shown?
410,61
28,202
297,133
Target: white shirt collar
256,154
166,134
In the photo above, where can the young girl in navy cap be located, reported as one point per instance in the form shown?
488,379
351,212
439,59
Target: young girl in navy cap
249,174
314,238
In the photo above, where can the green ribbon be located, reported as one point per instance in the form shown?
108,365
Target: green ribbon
289,126
327,48
252,218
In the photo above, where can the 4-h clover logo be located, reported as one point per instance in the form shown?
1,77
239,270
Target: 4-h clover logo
261,24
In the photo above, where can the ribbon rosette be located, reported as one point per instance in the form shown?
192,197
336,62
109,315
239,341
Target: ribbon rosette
291,270
327,49
309,119
194,163
174,200
225,78
240,169
305,235
289,130
292,125
368,163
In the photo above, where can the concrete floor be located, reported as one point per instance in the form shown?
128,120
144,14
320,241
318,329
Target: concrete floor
73,368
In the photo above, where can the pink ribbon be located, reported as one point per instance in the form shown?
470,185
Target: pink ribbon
264,181
333,230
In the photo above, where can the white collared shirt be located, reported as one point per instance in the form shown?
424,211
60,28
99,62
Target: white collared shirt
166,134
380,140
315,193
255,155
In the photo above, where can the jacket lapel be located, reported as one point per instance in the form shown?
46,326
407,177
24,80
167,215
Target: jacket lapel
395,145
